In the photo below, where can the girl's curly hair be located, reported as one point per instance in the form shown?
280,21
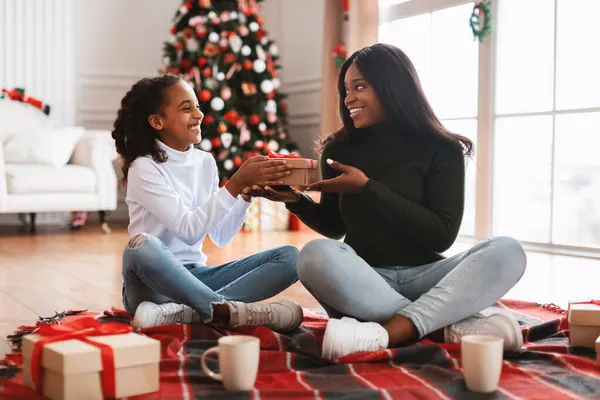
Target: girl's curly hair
133,135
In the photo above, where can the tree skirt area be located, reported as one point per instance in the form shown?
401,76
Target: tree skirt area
291,366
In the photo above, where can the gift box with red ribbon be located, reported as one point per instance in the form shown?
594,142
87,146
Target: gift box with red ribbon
87,359
584,323
304,170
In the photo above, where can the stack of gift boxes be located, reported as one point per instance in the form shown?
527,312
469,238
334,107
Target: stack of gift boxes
584,324
90,360
269,216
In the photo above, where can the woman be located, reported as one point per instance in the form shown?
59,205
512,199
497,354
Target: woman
394,188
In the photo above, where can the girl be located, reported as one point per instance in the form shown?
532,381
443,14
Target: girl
394,187
174,202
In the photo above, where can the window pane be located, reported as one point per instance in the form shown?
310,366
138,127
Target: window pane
577,180
578,65
522,177
525,56
413,36
454,64
386,3
468,128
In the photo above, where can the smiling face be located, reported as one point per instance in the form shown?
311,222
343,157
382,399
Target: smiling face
178,122
361,100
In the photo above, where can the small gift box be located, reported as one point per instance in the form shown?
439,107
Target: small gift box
584,323
304,170
89,360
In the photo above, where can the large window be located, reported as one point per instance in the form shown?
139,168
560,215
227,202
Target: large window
540,115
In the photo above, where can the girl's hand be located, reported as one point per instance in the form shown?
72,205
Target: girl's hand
352,180
259,170
283,196
247,194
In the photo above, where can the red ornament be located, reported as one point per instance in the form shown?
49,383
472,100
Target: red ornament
224,182
216,142
228,58
205,95
283,107
248,64
204,3
254,119
207,72
208,120
260,34
270,95
232,34
179,45
260,20
188,4
237,161
232,117
222,128
173,30
175,70
186,65
202,61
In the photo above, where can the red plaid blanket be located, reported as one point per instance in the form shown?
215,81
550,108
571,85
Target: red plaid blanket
291,367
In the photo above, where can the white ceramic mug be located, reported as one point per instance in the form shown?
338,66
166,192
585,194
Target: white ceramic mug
482,358
238,361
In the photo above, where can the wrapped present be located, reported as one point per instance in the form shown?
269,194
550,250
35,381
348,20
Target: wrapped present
304,170
252,222
273,215
584,323
87,359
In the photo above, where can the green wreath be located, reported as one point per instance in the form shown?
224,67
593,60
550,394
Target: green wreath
481,20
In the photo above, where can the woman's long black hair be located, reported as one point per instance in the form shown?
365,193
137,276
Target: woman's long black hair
395,81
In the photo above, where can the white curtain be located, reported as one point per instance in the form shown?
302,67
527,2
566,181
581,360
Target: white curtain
37,52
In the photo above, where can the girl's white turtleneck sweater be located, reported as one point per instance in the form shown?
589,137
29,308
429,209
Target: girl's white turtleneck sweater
180,202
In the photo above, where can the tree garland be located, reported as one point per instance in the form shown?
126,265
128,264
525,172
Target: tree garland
481,20
340,53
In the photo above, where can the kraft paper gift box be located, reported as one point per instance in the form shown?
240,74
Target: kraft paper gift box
584,323
71,369
304,170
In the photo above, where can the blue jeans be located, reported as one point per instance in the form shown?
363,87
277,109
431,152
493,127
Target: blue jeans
152,273
432,296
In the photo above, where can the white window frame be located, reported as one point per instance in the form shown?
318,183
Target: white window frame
486,117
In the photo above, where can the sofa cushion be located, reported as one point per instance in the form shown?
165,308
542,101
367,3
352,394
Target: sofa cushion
17,117
35,178
50,145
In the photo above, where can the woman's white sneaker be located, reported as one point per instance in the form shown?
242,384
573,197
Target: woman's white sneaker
149,314
348,336
498,324
280,316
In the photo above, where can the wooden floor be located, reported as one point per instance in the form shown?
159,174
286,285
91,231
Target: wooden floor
57,269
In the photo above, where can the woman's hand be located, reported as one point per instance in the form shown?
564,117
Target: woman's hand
247,194
352,180
284,196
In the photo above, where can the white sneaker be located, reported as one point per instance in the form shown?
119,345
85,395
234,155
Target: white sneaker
149,314
280,316
499,324
348,336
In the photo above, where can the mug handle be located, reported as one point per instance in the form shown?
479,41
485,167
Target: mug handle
205,368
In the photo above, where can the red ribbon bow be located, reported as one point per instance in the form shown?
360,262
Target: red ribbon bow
272,154
79,329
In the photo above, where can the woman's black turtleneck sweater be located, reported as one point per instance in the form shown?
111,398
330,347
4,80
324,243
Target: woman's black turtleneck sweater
410,210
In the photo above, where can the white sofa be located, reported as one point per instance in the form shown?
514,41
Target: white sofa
48,168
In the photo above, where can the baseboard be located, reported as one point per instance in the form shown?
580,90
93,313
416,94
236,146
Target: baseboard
50,218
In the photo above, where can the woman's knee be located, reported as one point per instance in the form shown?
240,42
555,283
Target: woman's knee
512,253
314,256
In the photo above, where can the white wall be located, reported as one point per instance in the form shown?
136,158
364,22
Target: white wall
297,27
117,42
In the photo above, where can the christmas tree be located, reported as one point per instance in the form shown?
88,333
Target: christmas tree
223,52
